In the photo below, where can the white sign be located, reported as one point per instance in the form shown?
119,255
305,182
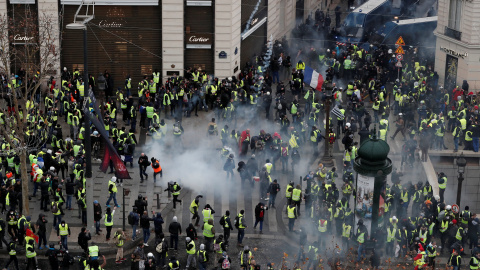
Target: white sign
199,46
454,53
198,39
17,37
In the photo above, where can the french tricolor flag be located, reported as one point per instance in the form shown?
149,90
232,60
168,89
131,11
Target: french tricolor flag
313,78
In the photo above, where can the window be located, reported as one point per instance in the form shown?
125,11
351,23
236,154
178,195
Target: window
455,14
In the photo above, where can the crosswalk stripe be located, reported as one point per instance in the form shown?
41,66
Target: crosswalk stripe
272,220
184,208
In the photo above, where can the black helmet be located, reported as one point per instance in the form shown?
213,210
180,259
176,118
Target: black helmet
140,196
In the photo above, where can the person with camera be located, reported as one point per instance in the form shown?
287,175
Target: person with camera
143,164
260,215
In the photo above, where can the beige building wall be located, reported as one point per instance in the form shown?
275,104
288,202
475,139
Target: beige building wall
172,37
3,17
227,37
273,21
466,50
48,17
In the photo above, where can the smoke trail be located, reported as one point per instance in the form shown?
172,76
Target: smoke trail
251,17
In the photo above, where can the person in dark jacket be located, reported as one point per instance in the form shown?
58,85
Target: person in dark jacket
175,229
52,255
83,237
158,223
97,216
41,231
227,226
145,224
143,163
273,189
141,204
259,215
44,192
70,191
191,231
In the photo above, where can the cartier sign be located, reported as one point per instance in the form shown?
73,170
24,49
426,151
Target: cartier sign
195,39
18,37
199,38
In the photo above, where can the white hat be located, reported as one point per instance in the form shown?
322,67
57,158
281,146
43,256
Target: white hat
49,151
114,179
394,218
188,239
348,124
52,168
390,51
268,93
150,254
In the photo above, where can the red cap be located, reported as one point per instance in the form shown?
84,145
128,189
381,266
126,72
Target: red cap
475,107
454,221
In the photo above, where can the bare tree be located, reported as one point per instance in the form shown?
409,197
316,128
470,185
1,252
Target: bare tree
28,43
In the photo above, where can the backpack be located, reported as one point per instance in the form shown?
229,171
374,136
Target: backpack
176,129
161,247
131,218
237,222
211,129
284,151
201,256
156,165
332,138
226,263
216,247
54,208
109,218
222,221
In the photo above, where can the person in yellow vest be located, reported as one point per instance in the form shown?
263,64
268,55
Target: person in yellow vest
474,261
288,193
346,234
31,254
361,236
297,198
194,209
323,230
63,233
120,241
108,221
208,233
300,66
191,251
174,188
292,215
112,189
241,226
207,213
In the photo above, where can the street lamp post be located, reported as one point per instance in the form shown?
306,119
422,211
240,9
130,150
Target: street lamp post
327,159
461,163
372,166
126,191
86,123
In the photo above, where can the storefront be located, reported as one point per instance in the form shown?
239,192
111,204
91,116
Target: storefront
123,40
199,35
254,30
23,32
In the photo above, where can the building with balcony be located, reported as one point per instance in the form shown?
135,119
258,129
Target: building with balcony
457,55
